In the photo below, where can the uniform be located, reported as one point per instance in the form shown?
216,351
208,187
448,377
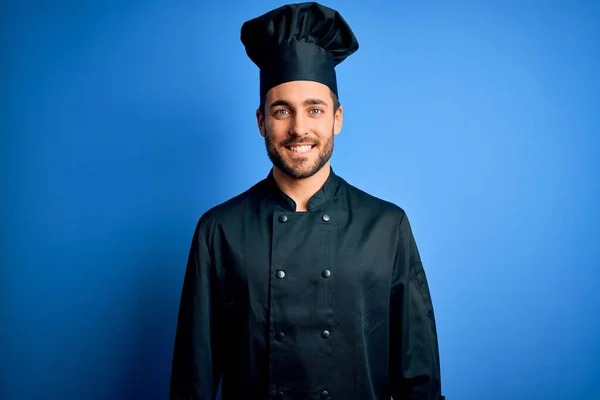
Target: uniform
331,303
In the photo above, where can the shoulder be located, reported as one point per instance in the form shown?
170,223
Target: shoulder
386,214
229,210
362,200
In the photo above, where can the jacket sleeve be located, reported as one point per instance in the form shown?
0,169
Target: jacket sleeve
196,366
414,354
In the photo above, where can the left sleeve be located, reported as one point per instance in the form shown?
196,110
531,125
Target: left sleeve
414,354
197,360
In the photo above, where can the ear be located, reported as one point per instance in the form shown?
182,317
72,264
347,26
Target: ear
338,120
260,120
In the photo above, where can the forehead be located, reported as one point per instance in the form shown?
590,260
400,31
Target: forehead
299,91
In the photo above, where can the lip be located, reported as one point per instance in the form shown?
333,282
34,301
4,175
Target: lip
288,148
300,144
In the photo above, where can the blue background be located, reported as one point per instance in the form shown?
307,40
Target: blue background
122,122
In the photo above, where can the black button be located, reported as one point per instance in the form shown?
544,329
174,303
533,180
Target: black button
326,273
279,395
279,336
325,217
324,394
280,274
325,334
282,218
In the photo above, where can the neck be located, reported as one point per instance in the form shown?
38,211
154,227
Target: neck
301,190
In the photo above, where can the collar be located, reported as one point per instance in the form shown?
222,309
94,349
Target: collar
322,196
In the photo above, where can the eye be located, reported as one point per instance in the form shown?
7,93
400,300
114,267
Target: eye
316,111
281,111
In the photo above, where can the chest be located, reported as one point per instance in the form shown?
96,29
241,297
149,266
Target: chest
351,251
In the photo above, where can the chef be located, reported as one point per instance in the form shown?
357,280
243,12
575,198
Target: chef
304,286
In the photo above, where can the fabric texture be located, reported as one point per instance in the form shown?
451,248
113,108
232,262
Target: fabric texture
332,303
304,41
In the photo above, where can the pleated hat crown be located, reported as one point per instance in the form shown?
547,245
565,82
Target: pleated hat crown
304,41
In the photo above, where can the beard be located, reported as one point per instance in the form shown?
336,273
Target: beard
299,167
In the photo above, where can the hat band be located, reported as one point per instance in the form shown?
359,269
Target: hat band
298,61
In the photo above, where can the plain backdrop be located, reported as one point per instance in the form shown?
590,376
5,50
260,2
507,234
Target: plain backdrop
123,121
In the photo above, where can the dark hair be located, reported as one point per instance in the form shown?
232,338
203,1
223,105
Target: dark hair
336,103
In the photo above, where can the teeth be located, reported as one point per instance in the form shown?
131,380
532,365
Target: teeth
300,149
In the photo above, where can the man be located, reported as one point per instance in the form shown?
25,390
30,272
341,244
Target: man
304,287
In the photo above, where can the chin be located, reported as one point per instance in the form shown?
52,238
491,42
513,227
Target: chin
301,173
296,167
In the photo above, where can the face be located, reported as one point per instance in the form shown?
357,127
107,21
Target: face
298,125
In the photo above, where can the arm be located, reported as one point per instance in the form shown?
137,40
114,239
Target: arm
414,354
196,368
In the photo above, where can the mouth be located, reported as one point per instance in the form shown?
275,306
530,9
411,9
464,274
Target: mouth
300,149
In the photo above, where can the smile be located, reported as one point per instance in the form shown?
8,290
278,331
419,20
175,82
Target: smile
300,149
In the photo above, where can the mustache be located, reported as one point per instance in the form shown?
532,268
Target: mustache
295,142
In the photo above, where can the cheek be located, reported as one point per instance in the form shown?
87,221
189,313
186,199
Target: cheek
277,130
327,123
326,128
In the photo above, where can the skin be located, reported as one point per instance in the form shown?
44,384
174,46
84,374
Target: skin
296,113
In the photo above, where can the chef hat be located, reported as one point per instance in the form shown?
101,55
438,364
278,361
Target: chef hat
298,42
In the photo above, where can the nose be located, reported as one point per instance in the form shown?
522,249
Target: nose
299,125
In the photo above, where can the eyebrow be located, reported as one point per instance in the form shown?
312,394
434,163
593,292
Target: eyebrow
307,102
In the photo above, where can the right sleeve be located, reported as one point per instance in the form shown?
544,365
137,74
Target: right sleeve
196,367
